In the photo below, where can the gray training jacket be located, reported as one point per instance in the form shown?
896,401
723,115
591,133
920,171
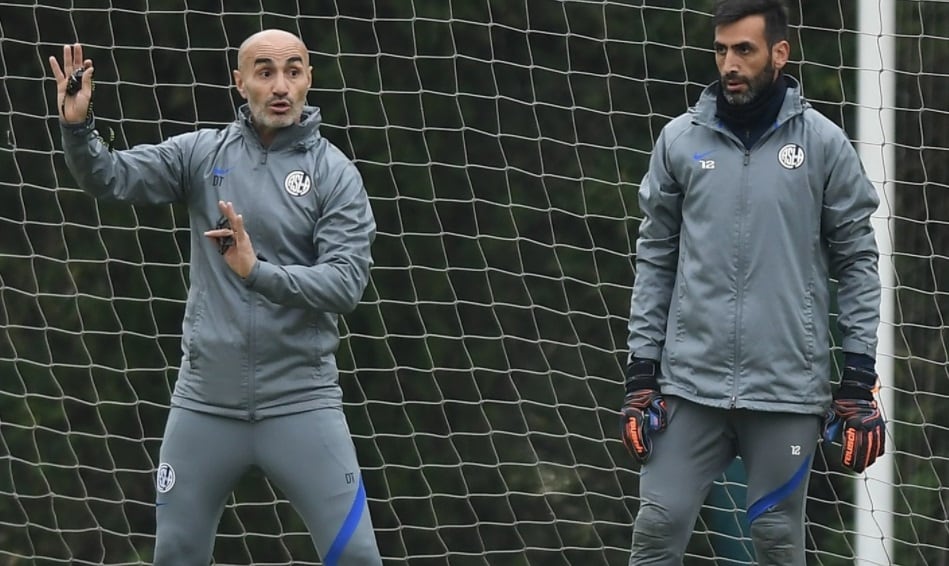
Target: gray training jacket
265,345
734,255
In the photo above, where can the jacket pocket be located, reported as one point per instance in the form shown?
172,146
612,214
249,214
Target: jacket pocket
217,355
194,312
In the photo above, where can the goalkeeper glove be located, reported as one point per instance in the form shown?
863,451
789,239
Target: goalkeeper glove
855,417
644,409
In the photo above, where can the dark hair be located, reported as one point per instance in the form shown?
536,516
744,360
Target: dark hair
774,11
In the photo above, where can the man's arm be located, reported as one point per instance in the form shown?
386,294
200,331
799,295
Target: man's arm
849,201
657,250
343,236
657,256
146,174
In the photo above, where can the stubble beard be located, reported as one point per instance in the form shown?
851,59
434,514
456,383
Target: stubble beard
756,85
263,118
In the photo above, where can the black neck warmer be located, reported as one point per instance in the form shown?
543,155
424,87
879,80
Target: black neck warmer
750,121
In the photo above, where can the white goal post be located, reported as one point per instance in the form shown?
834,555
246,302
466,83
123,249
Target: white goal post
502,143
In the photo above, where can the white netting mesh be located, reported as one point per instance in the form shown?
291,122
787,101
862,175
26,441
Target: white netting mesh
502,143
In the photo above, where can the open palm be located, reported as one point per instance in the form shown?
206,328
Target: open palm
72,108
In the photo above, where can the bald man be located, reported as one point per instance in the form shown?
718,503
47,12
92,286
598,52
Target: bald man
281,231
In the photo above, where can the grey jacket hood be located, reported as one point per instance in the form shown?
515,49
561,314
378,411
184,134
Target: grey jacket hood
300,136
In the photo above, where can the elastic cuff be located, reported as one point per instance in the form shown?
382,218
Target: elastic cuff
254,273
80,129
853,390
642,374
862,361
864,377
857,383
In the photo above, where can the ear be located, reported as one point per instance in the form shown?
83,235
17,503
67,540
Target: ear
239,83
309,77
780,53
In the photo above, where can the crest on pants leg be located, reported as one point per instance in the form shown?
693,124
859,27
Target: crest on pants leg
165,478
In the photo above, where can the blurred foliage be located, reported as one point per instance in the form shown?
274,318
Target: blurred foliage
502,144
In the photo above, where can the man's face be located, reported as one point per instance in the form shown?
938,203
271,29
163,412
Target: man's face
746,63
274,75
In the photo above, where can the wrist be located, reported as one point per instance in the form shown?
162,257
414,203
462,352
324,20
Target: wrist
249,268
862,361
857,383
79,129
642,373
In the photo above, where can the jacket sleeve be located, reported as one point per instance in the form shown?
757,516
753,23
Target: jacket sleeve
144,174
657,256
342,236
849,201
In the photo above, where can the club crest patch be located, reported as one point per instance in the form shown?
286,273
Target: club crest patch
165,478
297,183
791,156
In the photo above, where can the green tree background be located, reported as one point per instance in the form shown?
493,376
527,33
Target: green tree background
502,143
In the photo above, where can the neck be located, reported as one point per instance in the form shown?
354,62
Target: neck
749,121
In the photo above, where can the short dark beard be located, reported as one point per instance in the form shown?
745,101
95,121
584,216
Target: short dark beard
756,85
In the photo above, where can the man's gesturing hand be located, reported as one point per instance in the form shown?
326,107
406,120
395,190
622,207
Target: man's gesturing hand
644,409
854,415
73,108
238,252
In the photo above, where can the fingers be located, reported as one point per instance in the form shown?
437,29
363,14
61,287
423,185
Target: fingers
863,432
72,60
866,453
236,220
67,59
635,439
657,414
227,209
87,76
238,225
855,450
72,57
57,70
861,448
832,428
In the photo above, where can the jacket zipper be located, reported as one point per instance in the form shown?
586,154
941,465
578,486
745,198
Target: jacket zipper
251,361
746,159
252,336
739,278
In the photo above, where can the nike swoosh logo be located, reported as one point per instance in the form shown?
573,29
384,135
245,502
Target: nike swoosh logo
701,156
219,171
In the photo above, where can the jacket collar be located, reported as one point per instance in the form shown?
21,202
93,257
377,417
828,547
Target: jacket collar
301,136
704,110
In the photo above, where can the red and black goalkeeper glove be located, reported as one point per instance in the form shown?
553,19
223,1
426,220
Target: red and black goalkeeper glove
644,409
855,417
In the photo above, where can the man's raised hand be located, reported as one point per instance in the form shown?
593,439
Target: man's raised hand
73,108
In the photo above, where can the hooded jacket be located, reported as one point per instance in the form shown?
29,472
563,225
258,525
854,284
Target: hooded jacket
735,255
264,345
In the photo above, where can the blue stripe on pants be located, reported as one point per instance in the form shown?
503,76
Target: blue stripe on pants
770,500
349,526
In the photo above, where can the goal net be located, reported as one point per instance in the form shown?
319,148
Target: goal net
502,144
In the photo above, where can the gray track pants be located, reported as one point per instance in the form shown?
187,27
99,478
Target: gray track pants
309,456
699,443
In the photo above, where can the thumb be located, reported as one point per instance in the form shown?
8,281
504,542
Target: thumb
87,78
